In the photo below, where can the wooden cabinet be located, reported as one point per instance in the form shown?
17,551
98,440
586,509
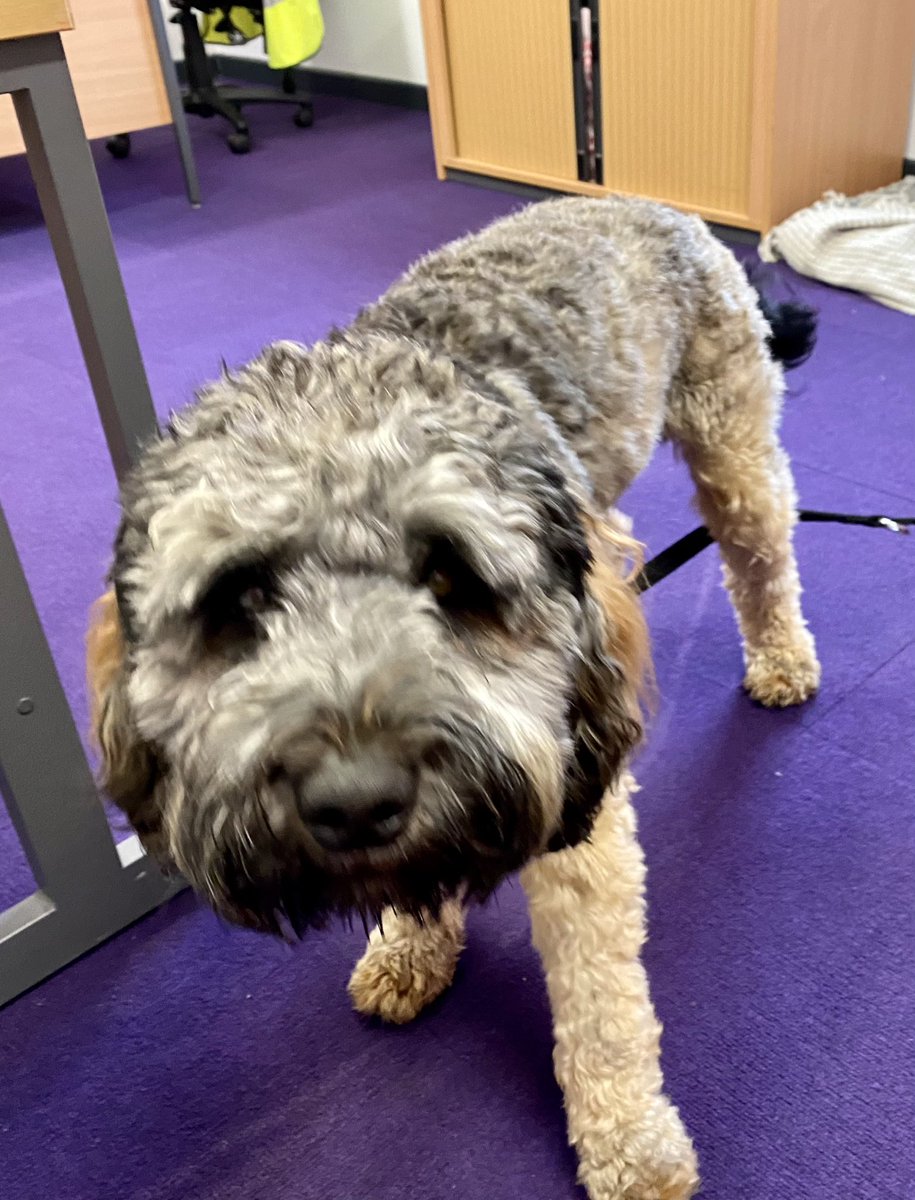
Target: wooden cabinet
677,99
114,62
511,77
741,110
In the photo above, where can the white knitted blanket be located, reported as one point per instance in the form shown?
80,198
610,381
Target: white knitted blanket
864,242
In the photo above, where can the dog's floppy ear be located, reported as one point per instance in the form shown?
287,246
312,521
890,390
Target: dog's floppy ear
129,772
606,709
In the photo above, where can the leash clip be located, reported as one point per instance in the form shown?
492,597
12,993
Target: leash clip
893,526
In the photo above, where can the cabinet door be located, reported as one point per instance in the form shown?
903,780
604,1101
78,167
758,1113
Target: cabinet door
677,100
512,101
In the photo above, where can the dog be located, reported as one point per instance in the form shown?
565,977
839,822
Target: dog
372,642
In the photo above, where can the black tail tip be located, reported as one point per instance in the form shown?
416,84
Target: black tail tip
793,330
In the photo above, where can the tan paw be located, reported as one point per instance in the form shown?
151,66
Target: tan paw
408,968
780,677
651,1160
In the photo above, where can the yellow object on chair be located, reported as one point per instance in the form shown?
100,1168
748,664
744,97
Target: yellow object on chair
293,30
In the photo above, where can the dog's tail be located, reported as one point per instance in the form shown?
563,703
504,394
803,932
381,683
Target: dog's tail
793,326
794,330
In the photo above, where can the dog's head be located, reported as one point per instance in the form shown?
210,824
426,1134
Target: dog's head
366,644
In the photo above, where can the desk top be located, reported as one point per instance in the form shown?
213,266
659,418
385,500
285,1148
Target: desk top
114,63
27,18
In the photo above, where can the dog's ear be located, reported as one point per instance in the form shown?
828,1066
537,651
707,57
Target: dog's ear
606,711
129,772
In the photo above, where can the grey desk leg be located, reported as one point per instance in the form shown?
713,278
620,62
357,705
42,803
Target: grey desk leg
89,887
35,71
191,182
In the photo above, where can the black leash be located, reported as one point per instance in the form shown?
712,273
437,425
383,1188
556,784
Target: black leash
695,542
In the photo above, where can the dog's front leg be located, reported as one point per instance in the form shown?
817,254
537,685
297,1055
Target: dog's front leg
407,963
588,916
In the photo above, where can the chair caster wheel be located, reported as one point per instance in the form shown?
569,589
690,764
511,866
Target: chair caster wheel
119,145
239,143
305,117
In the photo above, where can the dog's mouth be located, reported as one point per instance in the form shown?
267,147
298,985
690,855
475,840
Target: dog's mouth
261,866
291,893
293,904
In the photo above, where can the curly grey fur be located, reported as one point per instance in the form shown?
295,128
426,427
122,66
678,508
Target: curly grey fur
506,384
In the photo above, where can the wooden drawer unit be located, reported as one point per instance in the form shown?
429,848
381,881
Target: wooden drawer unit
740,110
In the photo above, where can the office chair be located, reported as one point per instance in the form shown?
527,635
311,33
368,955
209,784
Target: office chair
205,97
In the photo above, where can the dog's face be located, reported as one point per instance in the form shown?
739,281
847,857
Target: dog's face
360,649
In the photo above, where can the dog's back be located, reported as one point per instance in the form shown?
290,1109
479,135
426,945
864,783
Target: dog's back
592,305
627,322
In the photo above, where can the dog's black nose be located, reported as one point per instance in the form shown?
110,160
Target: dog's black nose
357,802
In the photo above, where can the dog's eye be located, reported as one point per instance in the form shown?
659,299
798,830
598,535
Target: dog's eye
458,589
440,584
232,609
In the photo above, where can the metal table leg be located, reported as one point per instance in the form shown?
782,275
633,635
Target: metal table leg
89,887
35,71
175,103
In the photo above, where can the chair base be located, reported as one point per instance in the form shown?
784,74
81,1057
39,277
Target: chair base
205,98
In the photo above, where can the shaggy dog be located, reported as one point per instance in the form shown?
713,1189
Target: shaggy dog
371,644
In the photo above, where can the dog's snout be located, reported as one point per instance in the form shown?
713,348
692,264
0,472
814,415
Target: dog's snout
357,802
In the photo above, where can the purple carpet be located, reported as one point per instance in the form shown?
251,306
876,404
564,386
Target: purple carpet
183,1061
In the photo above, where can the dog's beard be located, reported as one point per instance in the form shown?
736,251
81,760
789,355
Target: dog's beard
485,822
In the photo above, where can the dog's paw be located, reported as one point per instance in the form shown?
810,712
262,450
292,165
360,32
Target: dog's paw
649,1159
781,676
409,966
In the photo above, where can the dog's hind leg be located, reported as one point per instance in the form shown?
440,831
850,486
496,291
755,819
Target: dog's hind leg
407,963
724,415
588,918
